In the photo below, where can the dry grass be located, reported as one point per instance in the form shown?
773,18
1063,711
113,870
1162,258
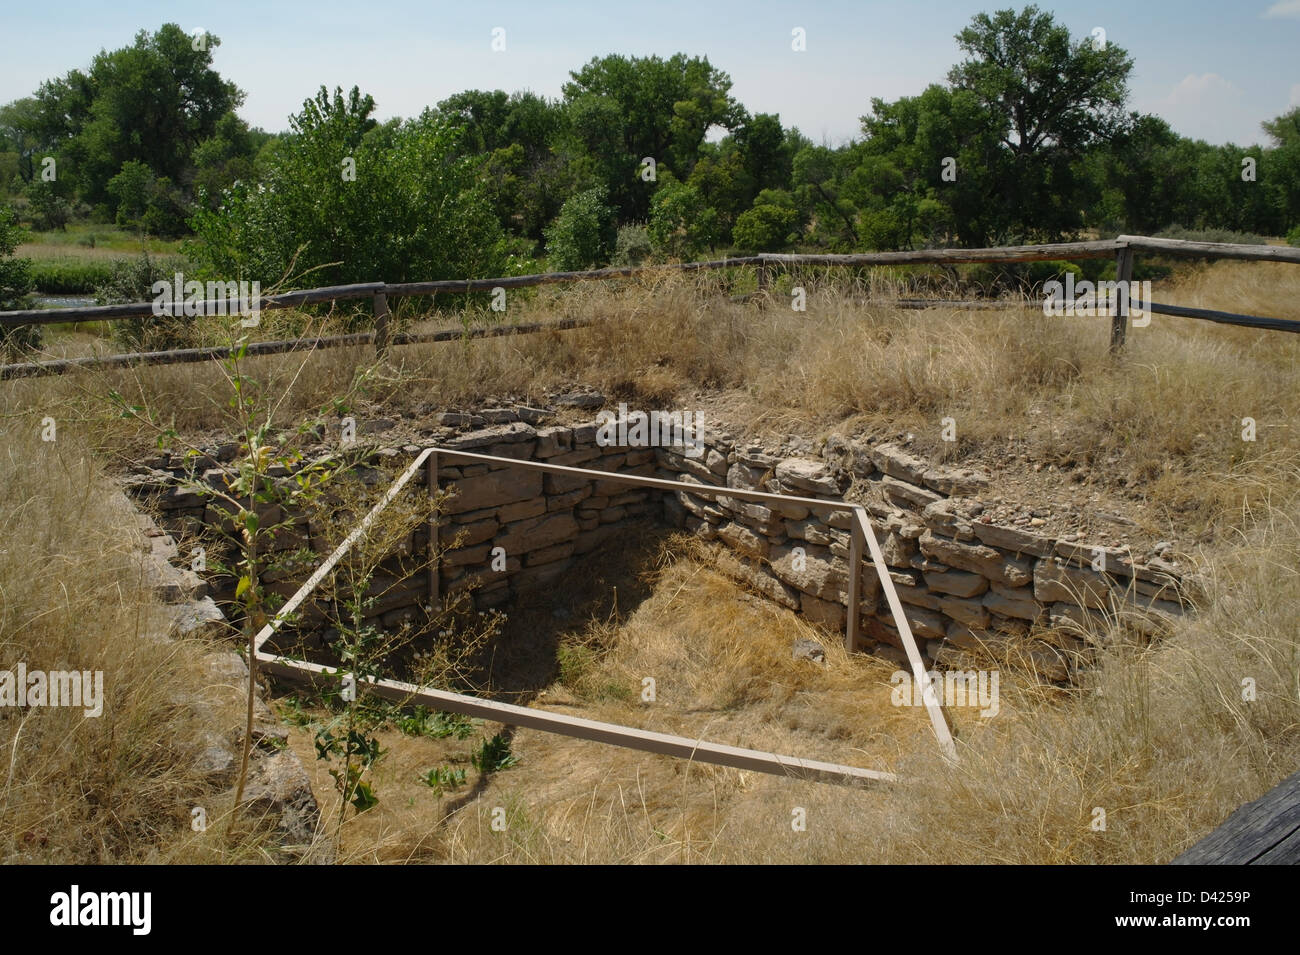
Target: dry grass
1160,737
1161,427
118,787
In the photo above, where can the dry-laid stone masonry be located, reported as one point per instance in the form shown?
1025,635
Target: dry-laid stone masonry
965,581
278,786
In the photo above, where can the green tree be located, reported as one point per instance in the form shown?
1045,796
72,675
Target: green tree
626,109
819,175
584,233
152,102
681,224
927,171
1283,173
47,208
723,184
765,153
226,157
21,130
1052,100
768,225
513,137
355,202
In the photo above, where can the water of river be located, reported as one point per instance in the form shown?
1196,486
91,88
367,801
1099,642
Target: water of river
62,301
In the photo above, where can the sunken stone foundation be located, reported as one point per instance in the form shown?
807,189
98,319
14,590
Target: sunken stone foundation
965,583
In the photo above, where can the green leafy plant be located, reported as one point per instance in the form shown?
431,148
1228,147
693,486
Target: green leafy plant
583,234
442,778
359,751
131,280
494,755
435,724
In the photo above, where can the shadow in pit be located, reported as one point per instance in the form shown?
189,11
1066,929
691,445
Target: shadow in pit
604,585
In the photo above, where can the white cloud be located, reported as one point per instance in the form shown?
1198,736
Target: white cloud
1283,10
1207,106
1199,88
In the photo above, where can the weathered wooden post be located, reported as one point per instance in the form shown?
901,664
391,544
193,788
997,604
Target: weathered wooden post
855,577
382,332
1123,275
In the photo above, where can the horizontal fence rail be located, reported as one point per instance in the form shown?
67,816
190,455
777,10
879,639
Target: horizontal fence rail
1124,248
59,366
1213,250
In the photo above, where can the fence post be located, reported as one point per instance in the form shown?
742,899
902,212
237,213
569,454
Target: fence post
381,324
1123,275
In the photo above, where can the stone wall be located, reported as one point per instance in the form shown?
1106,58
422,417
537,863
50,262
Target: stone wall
964,581
504,530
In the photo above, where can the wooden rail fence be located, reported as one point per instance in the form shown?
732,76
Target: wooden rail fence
1124,249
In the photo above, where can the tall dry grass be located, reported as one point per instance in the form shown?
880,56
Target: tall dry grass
1162,425
1160,738
120,787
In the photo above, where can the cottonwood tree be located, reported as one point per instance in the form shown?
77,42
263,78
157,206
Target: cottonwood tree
1053,98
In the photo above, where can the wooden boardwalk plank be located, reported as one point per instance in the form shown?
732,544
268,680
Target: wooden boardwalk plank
1263,832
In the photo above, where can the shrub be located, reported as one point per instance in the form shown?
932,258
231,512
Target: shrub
682,225
583,234
131,280
48,209
633,245
1211,235
15,283
767,226
354,202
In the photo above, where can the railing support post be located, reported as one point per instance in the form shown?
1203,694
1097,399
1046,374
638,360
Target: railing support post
1123,275
431,548
855,577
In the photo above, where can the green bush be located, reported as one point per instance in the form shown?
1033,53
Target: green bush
47,208
1293,237
632,247
583,234
70,276
682,225
15,284
342,200
131,280
1211,235
767,226
1017,277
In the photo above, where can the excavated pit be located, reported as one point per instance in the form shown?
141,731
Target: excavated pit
973,574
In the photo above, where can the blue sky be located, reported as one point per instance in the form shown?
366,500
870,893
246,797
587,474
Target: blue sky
1214,70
